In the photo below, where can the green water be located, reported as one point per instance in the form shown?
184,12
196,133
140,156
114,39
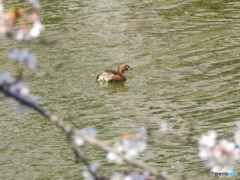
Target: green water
185,56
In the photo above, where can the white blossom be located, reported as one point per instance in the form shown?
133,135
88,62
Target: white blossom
79,141
23,56
220,156
209,139
34,4
19,89
6,79
130,146
3,20
237,134
23,34
78,138
36,29
94,167
112,157
132,175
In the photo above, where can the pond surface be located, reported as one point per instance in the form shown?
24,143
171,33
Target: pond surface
185,55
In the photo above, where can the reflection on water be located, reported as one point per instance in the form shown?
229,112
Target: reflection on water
186,60
113,87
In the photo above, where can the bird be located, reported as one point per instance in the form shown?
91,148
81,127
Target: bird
114,76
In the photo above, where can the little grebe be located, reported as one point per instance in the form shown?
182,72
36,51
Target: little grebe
113,76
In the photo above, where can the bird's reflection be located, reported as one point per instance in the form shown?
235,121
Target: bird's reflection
116,86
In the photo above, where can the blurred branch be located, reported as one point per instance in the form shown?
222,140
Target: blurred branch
140,164
54,119
70,131
79,157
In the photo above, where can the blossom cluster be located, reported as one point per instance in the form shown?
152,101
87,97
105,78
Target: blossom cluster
3,19
237,134
95,166
18,88
130,146
220,155
23,56
79,136
9,19
131,175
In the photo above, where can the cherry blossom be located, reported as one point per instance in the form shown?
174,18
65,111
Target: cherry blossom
206,142
17,88
25,33
237,134
23,56
78,138
3,20
130,146
34,4
132,175
220,155
36,29
113,157
6,79
93,167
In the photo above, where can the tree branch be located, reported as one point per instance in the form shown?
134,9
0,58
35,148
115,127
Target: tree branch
70,131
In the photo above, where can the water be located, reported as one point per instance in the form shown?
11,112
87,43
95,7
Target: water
185,56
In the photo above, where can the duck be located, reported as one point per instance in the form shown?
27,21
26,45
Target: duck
114,76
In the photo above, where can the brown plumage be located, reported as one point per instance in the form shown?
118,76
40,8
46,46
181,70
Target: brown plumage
113,76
